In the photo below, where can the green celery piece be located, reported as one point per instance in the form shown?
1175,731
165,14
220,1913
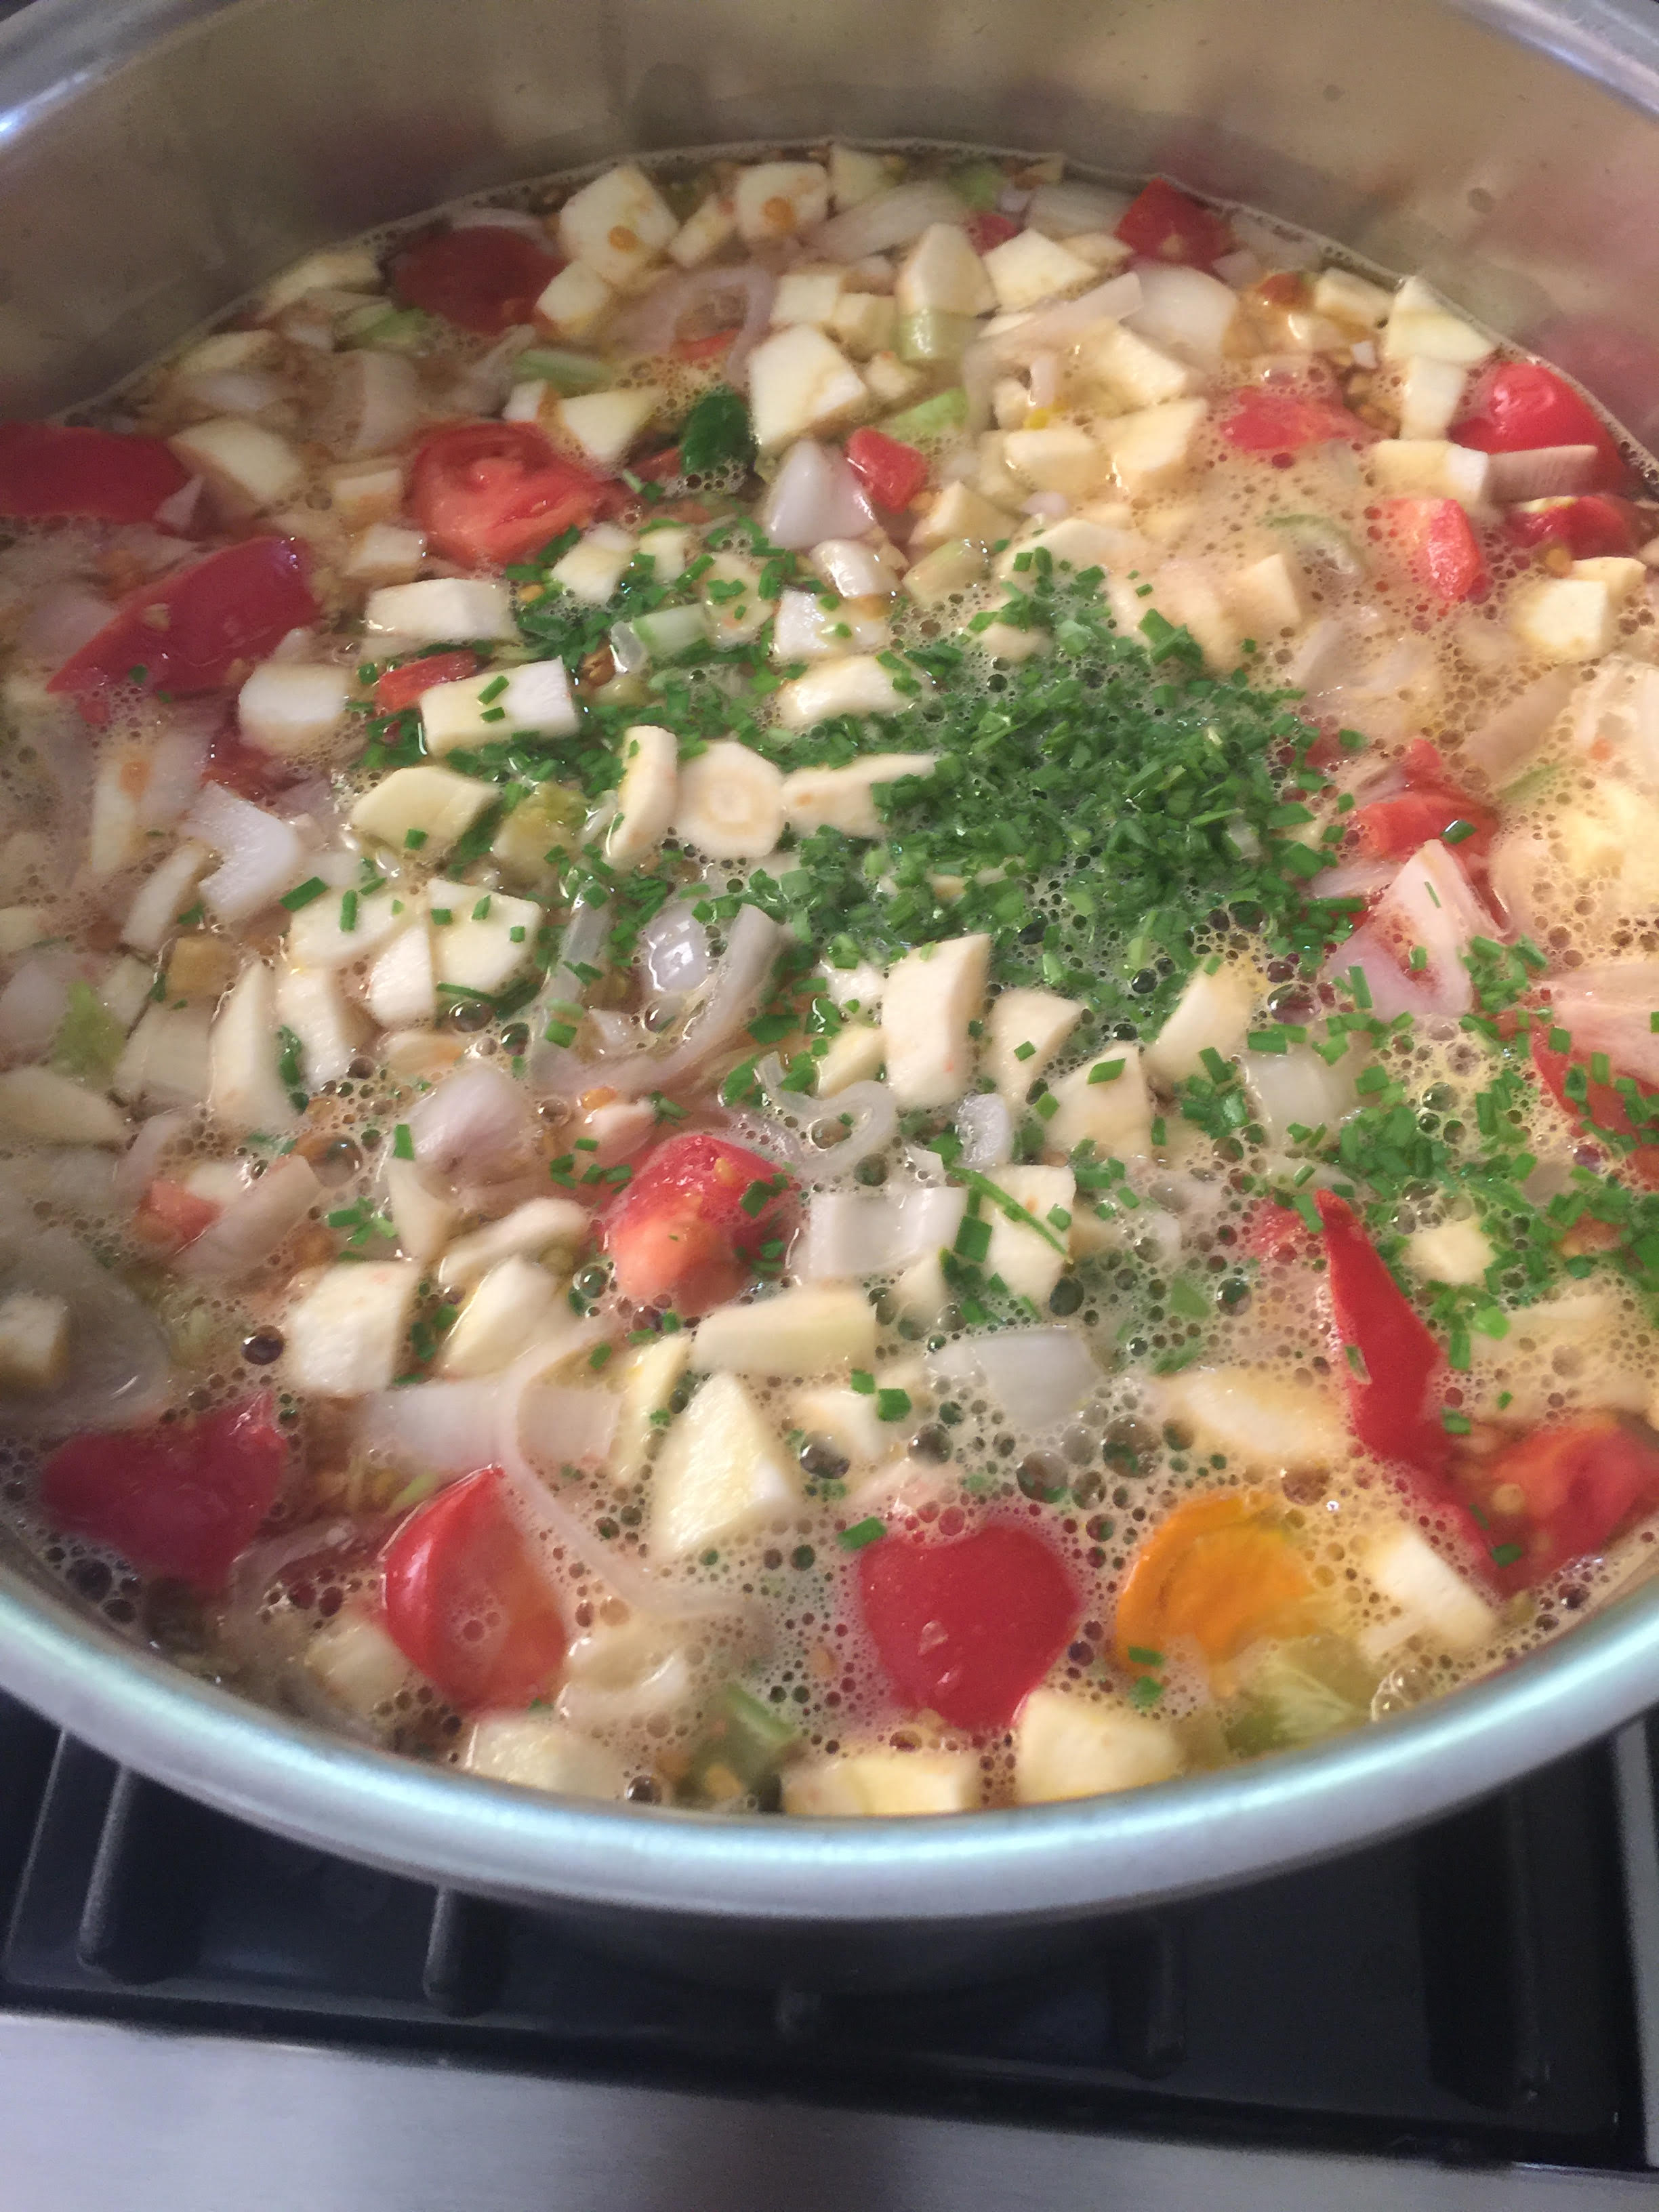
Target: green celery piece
387,330
569,373
1298,1693
89,1039
667,632
980,183
1320,540
932,335
745,1740
548,819
935,418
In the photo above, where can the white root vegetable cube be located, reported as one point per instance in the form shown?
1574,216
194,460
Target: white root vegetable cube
734,617
45,1108
575,303
115,838
1025,1028
1029,267
227,351
805,1331
168,1060
1073,543
1153,448
958,511
1420,323
704,231
804,629
1430,393
247,470
309,1001
481,709
931,996
856,175
844,797
1269,597
722,1474
808,294
595,564
1430,468
317,938
1072,1746
779,199
1349,299
618,225
1132,369
345,1334
1211,1014
335,268
1454,1252
1564,618
436,803
883,1784
163,896
292,708
1262,1420
1622,576
383,554
422,1218
487,939
845,1419
1112,1112
860,684
864,323
646,795
942,274
498,1320
19,927
948,570
356,1662
798,382
246,1091
538,1227
124,989
1030,1260
857,1052
605,424
729,803
670,548
535,1752
35,1342
649,1379
1062,457
1431,1594
443,611
366,492
892,380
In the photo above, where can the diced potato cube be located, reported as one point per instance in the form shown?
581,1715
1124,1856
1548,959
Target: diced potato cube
1349,299
1030,1260
1029,268
168,1060
366,492
385,555
605,424
1062,457
1453,1252
576,301
864,323
316,938
536,1752
941,274
1152,447
1071,1746
670,548
1430,392
488,938
1026,1028
856,175
1622,577
779,199
246,1091
480,709
35,1342
1564,618
648,1380
857,1052
422,1218
345,1334
335,268
1213,1013
1419,322
247,470
124,988
309,1001
356,1662
1073,543
721,1474
1132,369
844,797
881,1784
931,996
436,803
704,231
19,927
958,511
498,1320
808,295
618,225
845,1419
1430,468
646,795
1269,597
805,1331
443,611
860,685
293,707
1431,1594
948,570
798,382
802,628
163,896
892,380
539,1227
1262,1420
735,617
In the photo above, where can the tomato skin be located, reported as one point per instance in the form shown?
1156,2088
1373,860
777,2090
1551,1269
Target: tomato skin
462,1602
680,1230
1582,1482
990,229
235,605
488,492
709,347
1390,1404
893,473
484,277
1436,540
1601,1107
1284,422
1005,1600
48,470
1164,225
171,1216
1393,828
1520,405
249,769
398,687
182,1499
1592,526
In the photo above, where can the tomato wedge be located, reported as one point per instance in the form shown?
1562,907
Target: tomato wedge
691,1225
488,492
1393,1390
182,1499
464,1602
1164,225
49,470
1393,828
1221,1573
1436,541
401,687
893,473
171,1216
186,633
967,1628
1520,405
1264,422
1598,1108
989,230
484,276
1563,1493
1590,527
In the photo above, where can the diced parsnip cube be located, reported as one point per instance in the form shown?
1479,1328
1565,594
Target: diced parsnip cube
1071,1746
845,1419
244,1090
883,1784
309,1001
958,511
247,470
535,1752
498,1320
335,268
844,797
808,294
1009,642
734,617
1622,576
123,990
931,996
19,927
802,628
729,802
892,380
1262,1420
1026,1028
292,708
618,225
1430,468
168,1060
442,610
948,570
805,1331
799,381
857,1052
942,274
596,564
648,1380
722,1473
1062,457
479,709
421,1056
1029,267
864,323
779,199
860,685
540,1228
605,424
487,939
422,1218
356,1662
1269,597
440,805
317,939
575,303
525,401
1211,1014
670,548
1430,392
1152,447
1073,541
1564,618
366,492
1030,1260
646,795
1349,299
856,175
1432,1596
383,554
1420,322
115,839
1455,1252
45,1108
224,351
164,895
1184,593
1132,369
1011,403
345,1335
35,1342
704,231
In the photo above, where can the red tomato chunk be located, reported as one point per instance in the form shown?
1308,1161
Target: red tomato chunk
401,687
692,1226
893,473
1164,225
1284,422
488,492
485,276
1599,1108
1435,541
48,471
1395,828
1591,528
1520,405
1565,1491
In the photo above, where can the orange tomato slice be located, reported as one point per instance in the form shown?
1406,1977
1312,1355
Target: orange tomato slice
1220,1573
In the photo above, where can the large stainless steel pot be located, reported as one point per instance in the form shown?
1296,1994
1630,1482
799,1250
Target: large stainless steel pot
157,157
